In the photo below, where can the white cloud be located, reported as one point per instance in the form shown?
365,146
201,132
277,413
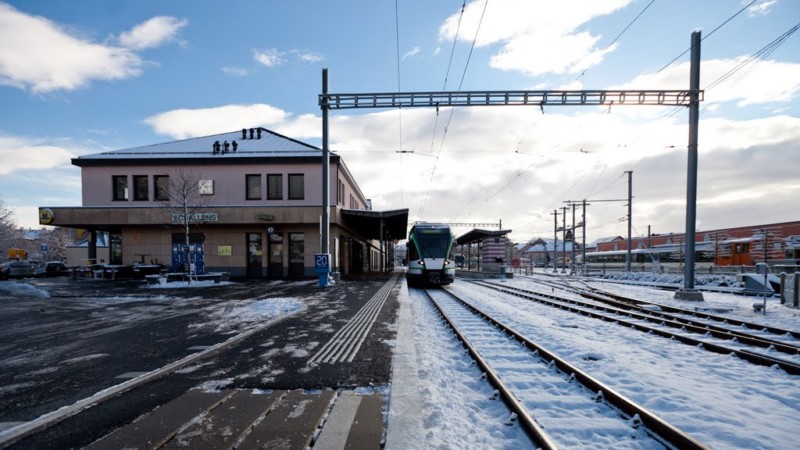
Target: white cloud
187,123
40,55
235,71
537,38
310,57
270,57
152,33
411,52
762,82
21,154
761,9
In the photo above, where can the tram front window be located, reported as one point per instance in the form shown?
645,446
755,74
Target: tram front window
434,245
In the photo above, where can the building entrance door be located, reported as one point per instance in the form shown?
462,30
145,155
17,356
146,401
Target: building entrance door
275,259
297,249
255,255
357,258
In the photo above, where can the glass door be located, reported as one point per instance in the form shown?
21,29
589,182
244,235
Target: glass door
254,255
275,251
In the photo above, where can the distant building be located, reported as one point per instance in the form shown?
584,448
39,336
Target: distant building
252,199
738,246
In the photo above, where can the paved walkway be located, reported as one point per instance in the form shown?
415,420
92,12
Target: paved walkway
254,420
280,419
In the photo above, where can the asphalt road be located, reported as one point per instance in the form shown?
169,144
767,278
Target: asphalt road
89,335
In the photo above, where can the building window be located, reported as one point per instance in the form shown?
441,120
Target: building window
340,193
274,186
296,187
253,187
120,183
140,188
161,187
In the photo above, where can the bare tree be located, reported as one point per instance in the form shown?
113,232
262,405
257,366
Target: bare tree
185,198
768,244
57,240
9,235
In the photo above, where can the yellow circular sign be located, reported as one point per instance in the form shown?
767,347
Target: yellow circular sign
45,216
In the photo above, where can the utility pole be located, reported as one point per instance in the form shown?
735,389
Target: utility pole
689,292
572,260
564,239
630,204
555,239
583,243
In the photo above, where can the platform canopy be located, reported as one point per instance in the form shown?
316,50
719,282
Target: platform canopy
477,235
368,223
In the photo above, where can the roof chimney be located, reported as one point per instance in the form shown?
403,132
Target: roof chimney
259,132
244,133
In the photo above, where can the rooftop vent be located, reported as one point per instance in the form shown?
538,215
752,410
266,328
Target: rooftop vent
244,133
259,132
235,146
227,147
251,133
215,147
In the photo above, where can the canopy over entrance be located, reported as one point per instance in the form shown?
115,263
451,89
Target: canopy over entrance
368,223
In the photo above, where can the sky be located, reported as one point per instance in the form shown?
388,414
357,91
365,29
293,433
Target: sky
99,75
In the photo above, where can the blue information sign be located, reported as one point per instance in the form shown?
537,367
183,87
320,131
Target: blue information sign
322,265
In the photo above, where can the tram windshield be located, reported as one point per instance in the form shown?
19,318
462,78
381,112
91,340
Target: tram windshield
434,243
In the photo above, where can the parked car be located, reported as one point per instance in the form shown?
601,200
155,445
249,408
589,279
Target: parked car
51,269
17,269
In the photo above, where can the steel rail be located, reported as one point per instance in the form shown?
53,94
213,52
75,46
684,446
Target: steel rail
754,358
655,425
702,315
528,423
619,307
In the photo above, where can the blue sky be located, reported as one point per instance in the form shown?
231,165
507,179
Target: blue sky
82,77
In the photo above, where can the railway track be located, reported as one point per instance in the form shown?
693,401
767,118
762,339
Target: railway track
557,404
639,315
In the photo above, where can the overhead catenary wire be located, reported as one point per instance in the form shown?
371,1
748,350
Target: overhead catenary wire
747,64
709,34
399,110
450,117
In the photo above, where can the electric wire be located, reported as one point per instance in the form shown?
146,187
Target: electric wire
399,110
748,64
709,34
450,118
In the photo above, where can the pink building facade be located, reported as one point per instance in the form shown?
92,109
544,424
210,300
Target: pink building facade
253,202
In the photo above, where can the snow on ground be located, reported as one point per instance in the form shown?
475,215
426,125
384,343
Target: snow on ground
718,399
233,315
21,288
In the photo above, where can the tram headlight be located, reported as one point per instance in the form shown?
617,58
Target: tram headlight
447,262
421,262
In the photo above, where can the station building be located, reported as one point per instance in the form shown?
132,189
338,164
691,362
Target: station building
251,199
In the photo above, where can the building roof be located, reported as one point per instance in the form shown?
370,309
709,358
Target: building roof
476,235
201,150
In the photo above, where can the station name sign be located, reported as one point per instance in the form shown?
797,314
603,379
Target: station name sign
196,217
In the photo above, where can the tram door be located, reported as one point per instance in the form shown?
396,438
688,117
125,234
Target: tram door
255,255
275,256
